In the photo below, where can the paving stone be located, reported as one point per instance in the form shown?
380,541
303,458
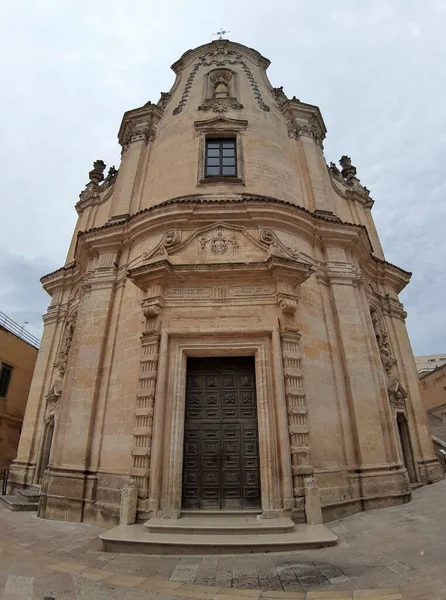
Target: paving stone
96,574
121,580
273,594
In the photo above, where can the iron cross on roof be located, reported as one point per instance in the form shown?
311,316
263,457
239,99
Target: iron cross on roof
221,33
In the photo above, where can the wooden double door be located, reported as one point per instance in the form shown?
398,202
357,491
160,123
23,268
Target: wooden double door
221,449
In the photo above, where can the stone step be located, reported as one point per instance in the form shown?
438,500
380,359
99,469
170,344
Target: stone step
218,526
221,513
136,539
30,494
17,503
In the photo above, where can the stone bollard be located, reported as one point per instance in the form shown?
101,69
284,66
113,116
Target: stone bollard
313,510
129,501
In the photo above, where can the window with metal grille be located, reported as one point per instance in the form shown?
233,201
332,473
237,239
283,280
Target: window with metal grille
220,158
5,378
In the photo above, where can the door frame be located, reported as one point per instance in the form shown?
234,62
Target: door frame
166,481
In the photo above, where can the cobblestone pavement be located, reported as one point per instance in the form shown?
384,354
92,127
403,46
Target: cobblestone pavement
390,554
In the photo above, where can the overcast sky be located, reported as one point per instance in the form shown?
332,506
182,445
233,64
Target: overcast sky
376,68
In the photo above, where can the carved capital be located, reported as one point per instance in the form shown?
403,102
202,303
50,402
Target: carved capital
138,133
151,309
298,129
287,303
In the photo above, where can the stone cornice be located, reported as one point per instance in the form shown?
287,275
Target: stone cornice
305,222
279,267
190,55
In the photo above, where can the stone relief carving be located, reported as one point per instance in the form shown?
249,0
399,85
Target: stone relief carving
169,240
151,309
268,237
221,57
335,172
287,303
97,183
297,129
347,176
96,176
279,95
220,106
220,79
382,340
187,88
219,243
111,177
254,87
164,100
138,132
397,394
70,325
52,399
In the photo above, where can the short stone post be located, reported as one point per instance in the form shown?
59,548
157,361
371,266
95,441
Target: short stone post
129,501
313,510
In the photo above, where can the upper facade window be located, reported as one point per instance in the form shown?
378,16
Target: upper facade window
220,158
5,378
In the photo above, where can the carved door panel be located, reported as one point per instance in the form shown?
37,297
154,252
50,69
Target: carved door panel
221,455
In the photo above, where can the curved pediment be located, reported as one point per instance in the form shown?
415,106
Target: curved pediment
218,242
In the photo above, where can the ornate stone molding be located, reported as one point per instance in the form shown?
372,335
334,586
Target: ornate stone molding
297,129
139,125
254,87
164,100
287,303
218,244
397,394
137,133
70,325
187,88
52,400
297,411
279,95
219,105
145,401
223,61
169,240
276,247
382,339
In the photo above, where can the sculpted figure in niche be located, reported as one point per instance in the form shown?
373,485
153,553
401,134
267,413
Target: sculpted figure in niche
220,79
382,339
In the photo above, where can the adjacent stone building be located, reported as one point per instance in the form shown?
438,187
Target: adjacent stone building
226,330
18,353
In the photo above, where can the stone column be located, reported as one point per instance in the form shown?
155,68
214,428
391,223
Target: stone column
297,413
145,401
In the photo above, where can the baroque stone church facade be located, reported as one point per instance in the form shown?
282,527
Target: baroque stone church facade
226,332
